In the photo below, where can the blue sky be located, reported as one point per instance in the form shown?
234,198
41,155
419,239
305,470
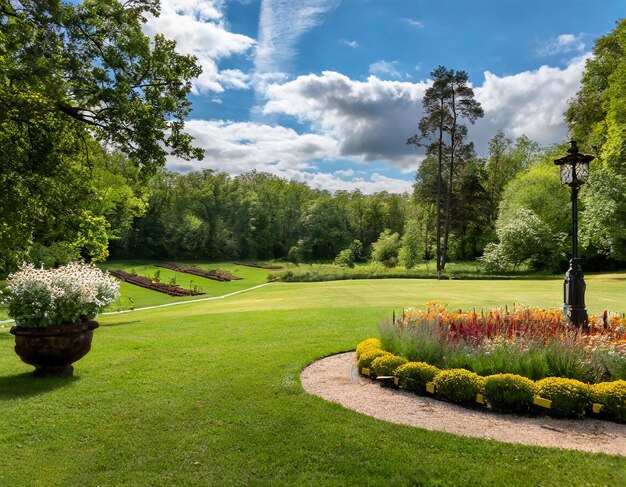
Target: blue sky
328,91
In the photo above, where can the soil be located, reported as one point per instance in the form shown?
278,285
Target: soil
215,274
260,266
155,286
336,379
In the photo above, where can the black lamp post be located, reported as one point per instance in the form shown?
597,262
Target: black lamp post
574,169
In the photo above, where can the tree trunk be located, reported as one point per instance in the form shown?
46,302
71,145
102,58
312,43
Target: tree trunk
450,181
439,183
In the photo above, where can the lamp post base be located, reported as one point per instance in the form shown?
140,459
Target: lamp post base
574,311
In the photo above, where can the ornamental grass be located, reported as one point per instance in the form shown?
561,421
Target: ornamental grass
531,342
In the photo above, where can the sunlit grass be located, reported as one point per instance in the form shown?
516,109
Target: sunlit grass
208,393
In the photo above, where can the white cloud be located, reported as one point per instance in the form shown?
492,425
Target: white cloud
199,28
413,23
530,103
385,68
370,120
237,147
564,44
346,42
281,25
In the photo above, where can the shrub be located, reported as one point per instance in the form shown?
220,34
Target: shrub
613,396
570,398
458,385
49,297
415,375
365,345
387,364
367,357
345,258
509,392
386,248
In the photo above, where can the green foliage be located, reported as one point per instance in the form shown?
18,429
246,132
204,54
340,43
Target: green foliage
509,392
458,385
345,258
602,228
596,115
387,364
415,375
413,244
385,249
74,77
613,396
358,251
524,238
570,398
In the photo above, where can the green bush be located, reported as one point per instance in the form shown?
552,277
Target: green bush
345,258
367,357
365,345
570,398
387,364
509,392
415,375
458,385
613,396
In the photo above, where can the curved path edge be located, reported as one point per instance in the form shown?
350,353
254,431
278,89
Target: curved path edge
335,378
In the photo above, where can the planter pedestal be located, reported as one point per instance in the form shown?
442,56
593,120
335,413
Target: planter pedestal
52,351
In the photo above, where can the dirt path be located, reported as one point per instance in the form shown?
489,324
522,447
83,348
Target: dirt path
335,378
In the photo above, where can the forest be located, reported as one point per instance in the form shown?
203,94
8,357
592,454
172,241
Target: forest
83,167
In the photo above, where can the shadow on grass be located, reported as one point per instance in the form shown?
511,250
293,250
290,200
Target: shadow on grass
25,385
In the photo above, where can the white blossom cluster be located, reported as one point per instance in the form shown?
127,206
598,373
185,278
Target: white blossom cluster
49,297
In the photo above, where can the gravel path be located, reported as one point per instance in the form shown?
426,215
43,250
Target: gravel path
335,378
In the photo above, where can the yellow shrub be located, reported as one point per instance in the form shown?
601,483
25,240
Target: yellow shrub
570,398
367,357
509,392
415,375
613,396
368,344
458,385
387,364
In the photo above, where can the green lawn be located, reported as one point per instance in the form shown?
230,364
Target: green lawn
208,393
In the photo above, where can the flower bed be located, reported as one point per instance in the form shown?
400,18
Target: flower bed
215,274
530,342
40,298
561,397
146,282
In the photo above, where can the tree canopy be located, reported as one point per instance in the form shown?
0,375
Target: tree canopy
78,84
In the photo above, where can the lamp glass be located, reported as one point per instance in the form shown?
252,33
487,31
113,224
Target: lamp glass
582,171
567,176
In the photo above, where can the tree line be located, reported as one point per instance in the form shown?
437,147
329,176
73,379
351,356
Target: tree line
90,108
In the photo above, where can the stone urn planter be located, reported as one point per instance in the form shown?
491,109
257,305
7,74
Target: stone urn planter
53,350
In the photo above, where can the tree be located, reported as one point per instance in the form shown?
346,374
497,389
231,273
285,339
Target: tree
597,114
326,228
603,219
524,238
386,248
70,74
448,102
412,249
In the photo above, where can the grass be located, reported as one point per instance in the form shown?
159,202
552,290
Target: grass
208,394
315,272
